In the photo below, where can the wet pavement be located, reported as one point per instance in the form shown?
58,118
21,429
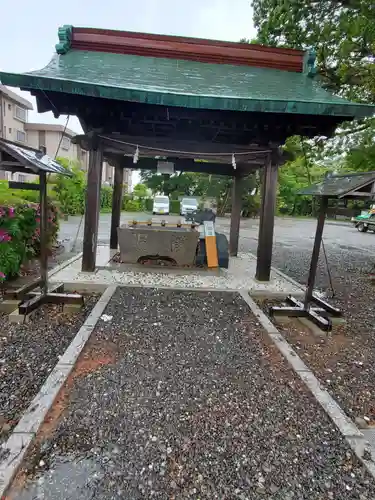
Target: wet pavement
181,395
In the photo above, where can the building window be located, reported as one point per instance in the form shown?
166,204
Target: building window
10,107
10,130
21,178
42,138
21,136
20,113
65,143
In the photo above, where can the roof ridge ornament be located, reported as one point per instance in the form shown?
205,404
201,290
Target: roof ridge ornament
65,39
309,61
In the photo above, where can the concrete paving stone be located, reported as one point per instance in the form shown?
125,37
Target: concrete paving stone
342,421
12,453
8,306
40,405
75,347
286,350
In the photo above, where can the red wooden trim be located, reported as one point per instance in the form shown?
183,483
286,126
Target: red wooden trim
195,49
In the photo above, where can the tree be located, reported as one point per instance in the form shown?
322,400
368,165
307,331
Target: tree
203,185
140,191
299,172
341,31
70,191
343,34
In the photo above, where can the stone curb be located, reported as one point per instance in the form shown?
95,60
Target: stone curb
355,438
92,287
64,264
283,275
13,451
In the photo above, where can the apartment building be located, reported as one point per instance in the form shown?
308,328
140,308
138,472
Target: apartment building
13,117
57,139
108,177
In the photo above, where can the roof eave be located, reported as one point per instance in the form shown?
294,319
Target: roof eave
31,82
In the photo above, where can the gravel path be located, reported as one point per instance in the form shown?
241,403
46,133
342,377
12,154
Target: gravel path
28,352
344,361
180,395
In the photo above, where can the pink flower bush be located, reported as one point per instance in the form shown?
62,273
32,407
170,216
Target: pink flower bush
20,236
4,236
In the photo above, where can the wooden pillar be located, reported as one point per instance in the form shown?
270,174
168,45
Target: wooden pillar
316,250
116,205
43,217
92,210
235,218
267,220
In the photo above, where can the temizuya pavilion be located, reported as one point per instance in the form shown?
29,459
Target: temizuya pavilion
183,99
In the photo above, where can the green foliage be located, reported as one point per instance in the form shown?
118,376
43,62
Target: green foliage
20,235
133,206
149,204
250,205
341,31
70,191
174,207
106,195
203,185
343,34
296,174
140,191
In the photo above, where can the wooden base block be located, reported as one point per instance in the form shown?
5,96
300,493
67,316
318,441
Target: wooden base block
7,306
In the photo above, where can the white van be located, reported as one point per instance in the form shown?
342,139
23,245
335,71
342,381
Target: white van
160,205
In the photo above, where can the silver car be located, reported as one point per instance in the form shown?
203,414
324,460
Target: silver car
188,205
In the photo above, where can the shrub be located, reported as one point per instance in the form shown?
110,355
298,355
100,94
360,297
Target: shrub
133,206
106,195
20,235
70,192
149,202
250,205
174,207
125,199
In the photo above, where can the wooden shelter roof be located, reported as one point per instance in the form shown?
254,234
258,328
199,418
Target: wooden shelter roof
357,185
16,158
184,72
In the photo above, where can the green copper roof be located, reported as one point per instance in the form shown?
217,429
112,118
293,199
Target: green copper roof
185,83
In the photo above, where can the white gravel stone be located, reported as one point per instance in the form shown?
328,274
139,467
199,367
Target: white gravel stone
239,276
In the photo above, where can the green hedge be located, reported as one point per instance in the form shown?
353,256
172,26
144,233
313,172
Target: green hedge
149,202
174,207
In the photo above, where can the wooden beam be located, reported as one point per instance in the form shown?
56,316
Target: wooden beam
11,164
94,178
185,165
267,220
116,205
358,194
195,49
169,147
24,185
238,186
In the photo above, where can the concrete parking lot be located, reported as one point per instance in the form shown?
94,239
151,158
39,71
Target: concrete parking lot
291,237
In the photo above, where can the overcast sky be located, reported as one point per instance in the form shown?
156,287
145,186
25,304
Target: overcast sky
28,31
